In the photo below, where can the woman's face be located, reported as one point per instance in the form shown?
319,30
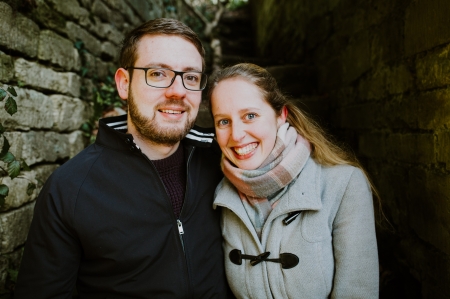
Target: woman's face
246,125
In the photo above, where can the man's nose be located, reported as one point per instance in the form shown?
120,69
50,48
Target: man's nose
176,90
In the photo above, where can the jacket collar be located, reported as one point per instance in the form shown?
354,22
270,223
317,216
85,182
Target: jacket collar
302,194
113,133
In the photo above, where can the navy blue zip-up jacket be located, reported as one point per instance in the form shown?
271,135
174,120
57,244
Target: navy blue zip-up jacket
104,223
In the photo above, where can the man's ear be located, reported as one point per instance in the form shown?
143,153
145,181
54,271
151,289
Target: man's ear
122,78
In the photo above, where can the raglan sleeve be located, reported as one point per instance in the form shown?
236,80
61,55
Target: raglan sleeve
52,251
354,242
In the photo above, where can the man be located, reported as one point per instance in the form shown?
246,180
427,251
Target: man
131,216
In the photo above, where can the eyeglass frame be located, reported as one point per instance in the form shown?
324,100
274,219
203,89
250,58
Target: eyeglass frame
173,79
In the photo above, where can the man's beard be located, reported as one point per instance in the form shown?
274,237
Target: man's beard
151,130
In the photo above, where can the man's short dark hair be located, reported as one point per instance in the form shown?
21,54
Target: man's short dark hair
160,26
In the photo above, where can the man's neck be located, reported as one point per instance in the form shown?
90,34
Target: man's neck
153,150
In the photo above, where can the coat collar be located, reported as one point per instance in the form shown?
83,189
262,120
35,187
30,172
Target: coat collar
113,133
302,194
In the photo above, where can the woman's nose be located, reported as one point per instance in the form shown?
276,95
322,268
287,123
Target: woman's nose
237,131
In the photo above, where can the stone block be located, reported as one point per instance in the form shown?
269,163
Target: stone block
39,146
58,51
399,80
433,70
18,187
34,111
426,25
110,51
76,33
108,31
372,145
6,67
14,226
386,44
142,8
71,9
87,90
17,32
40,77
107,15
374,85
443,148
69,113
414,148
429,206
48,18
428,111
361,116
356,58
124,9
8,261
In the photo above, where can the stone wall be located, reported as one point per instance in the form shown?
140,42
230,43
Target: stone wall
383,76
38,58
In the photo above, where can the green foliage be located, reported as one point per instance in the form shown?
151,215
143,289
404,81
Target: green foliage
236,4
13,166
105,96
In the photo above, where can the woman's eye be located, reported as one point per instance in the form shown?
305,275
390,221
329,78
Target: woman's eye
250,116
223,122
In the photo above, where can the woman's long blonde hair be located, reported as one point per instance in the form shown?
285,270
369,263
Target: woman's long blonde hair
323,150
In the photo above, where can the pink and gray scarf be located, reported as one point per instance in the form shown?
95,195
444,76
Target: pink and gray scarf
261,188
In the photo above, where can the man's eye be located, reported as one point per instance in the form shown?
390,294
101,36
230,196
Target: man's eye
156,73
192,78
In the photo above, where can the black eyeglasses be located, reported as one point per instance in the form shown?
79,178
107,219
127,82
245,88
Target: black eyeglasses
163,78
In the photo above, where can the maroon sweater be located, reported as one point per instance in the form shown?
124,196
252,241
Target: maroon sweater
172,171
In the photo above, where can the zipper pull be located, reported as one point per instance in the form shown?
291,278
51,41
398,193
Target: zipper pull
180,227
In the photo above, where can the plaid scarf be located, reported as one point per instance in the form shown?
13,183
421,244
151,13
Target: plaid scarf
261,188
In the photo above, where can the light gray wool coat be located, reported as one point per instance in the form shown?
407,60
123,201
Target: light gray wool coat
333,237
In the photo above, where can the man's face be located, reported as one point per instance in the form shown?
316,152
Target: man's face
163,115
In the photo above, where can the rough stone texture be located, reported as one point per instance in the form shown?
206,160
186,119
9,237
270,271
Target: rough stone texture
34,111
38,76
426,25
110,51
38,57
383,80
76,33
49,18
124,8
17,32
40,146
68,8
107,14
69,113
14,227
18,187
6,67
142,8
433,70
7,262
58,51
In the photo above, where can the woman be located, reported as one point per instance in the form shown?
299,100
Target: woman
297,216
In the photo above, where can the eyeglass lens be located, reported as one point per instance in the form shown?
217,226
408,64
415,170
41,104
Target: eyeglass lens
164,77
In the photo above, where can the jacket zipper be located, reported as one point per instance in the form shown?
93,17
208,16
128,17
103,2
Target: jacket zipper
178,221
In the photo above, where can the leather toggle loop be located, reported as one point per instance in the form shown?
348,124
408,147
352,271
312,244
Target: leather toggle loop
287,260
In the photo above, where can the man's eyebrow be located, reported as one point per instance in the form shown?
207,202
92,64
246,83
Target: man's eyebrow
166,66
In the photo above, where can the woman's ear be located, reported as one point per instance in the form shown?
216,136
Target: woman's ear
122,78
282,117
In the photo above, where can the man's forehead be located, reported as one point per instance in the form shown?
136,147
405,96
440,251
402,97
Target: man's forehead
168,50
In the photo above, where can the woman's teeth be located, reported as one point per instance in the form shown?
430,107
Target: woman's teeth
241,151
